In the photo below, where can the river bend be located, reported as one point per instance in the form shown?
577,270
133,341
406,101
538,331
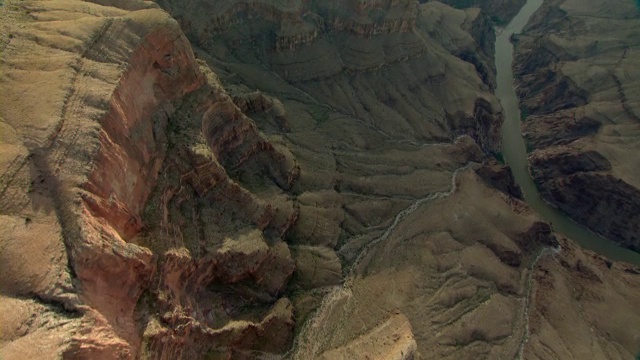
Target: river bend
515,153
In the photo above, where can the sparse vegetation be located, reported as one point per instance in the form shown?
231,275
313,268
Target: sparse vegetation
215,354
529,146
497,21
319,113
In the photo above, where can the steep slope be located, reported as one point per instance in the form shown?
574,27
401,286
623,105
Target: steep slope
582,306
578,85
109,83
500,11
70,70
74,178
373,101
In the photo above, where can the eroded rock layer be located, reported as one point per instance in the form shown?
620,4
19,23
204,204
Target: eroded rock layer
86,89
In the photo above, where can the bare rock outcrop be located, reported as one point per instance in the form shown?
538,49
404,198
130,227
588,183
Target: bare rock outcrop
579,297
500,177
393,340
92,150
467,33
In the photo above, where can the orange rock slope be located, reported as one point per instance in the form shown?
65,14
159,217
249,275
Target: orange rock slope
88,91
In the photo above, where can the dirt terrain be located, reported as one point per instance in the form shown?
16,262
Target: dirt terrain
260,179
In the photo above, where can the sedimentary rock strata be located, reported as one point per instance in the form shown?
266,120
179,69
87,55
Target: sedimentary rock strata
578,298
111,140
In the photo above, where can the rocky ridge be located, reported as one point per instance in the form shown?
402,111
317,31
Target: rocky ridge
500,11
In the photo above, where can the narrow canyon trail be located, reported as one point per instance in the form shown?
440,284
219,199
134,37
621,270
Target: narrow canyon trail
309,342
527,298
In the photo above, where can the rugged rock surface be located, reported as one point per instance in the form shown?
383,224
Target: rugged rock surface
580,184
158,206
500,177
131,132
602,299
578,86
350,41
79,165
469,35
501,11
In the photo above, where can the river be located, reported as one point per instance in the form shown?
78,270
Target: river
515,153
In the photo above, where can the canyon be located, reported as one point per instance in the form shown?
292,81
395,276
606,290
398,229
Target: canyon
578,84
286,179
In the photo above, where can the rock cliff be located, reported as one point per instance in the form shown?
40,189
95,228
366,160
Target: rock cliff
131,130
80,164
576,82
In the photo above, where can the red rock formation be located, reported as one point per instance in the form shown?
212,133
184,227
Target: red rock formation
162,69
135,86
217,242
112,272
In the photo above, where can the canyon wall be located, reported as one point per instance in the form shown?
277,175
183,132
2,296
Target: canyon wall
500,11
92,149
577,82
83,168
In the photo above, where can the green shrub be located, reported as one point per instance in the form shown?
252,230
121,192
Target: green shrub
529,146
497,21
319,113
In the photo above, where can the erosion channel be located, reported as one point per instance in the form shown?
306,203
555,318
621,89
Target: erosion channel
515,152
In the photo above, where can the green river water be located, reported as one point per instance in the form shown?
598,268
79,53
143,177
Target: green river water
515,152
